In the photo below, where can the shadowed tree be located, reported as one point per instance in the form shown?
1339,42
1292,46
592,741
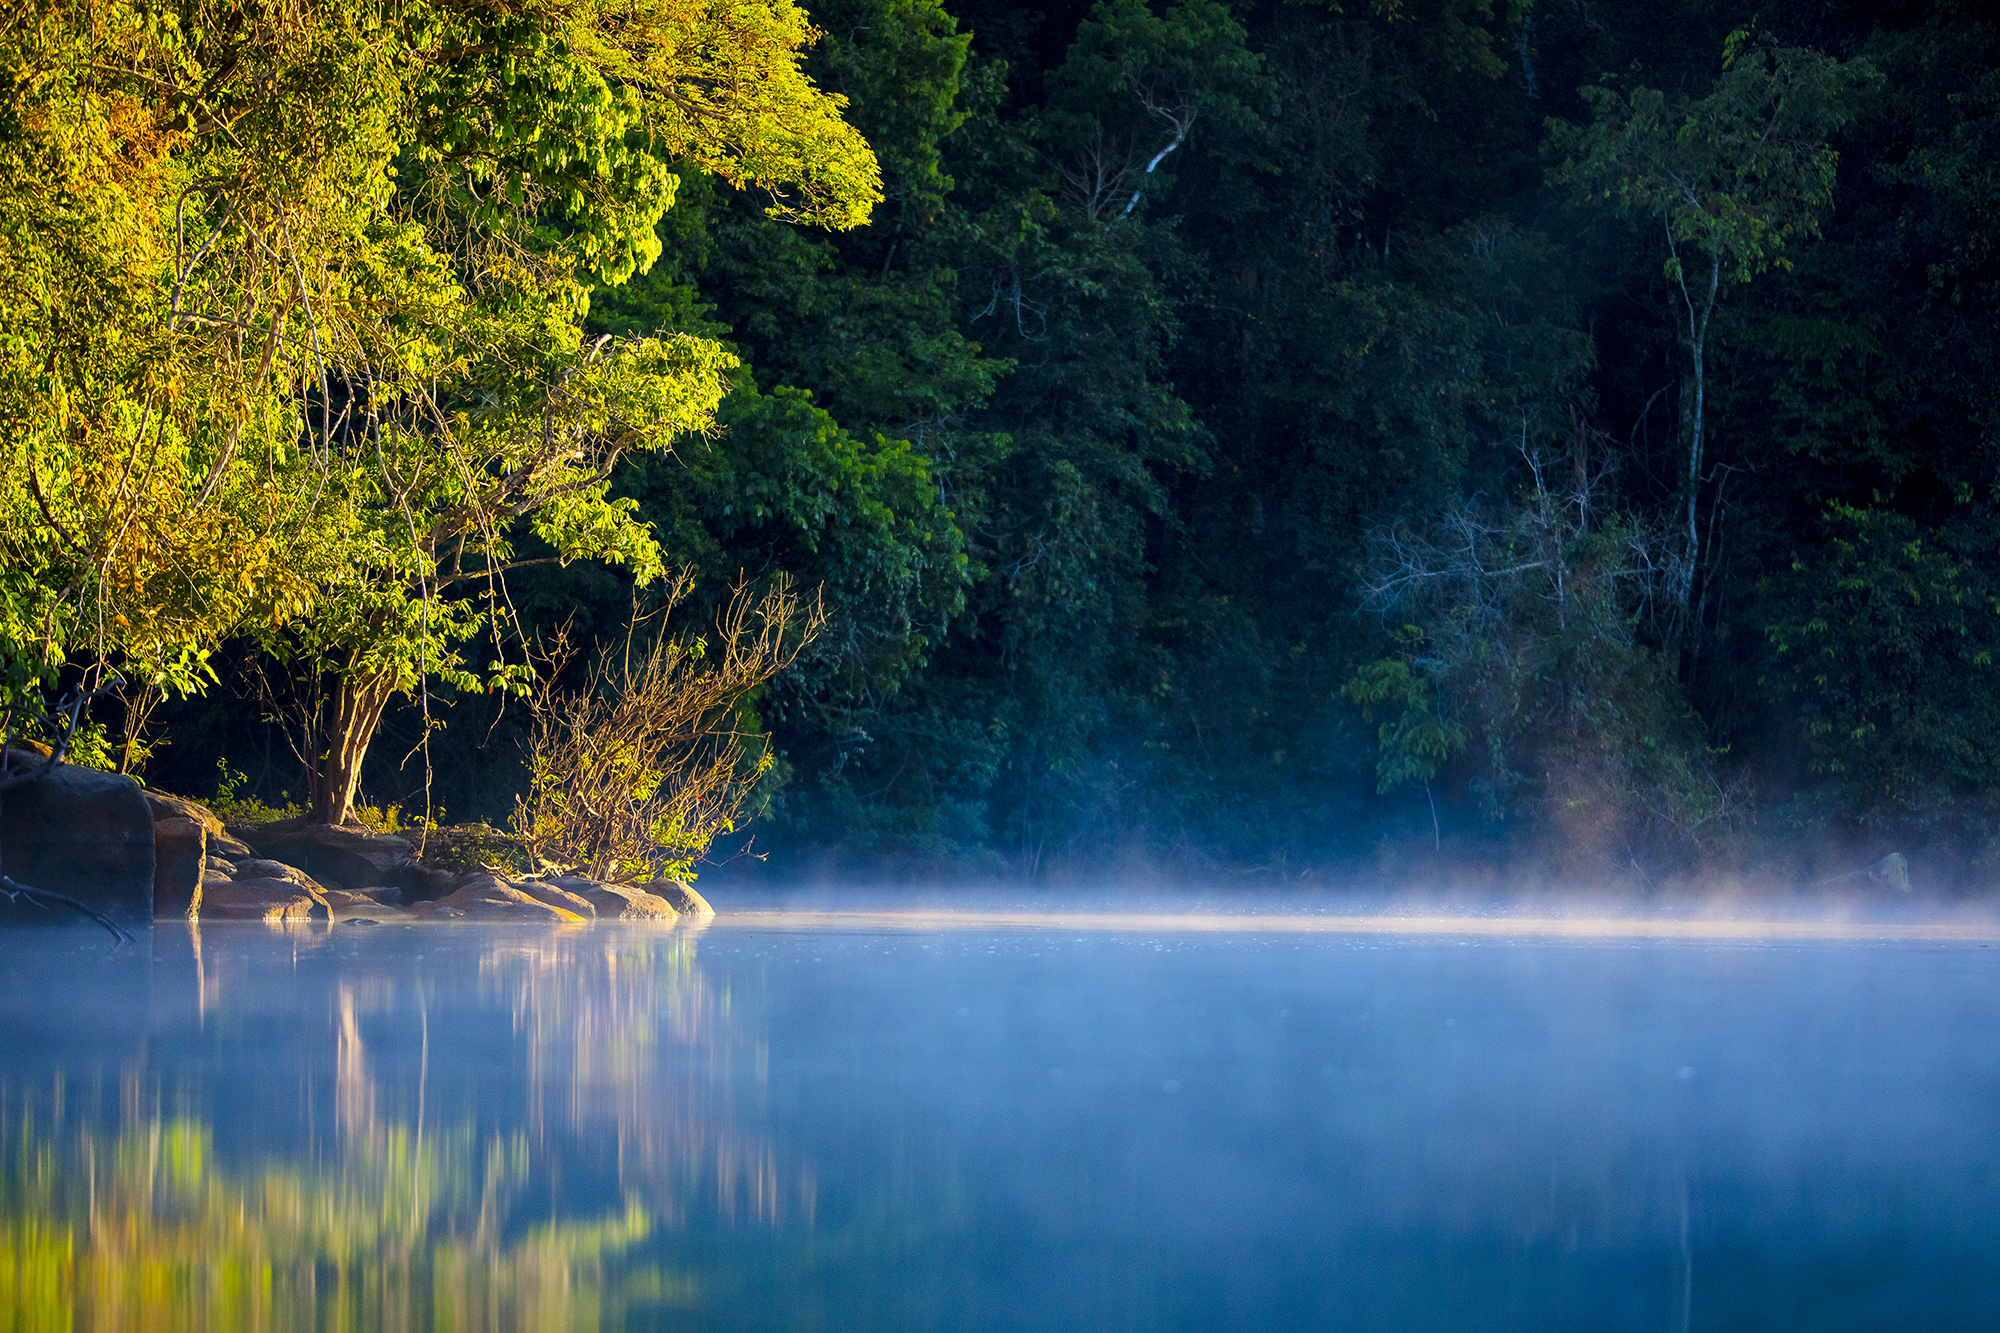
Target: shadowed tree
1730,179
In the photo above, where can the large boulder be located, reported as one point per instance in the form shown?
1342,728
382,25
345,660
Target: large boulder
386,894
617,902
491,898
555,895
84,833
167,806
681,897
364,905
421,881
258,868
343,854
1892,872
229,845
180,858
263,900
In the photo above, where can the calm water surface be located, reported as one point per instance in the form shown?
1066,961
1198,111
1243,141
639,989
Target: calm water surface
818,1123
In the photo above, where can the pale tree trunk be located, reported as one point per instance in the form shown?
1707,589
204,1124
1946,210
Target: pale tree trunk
1699,357
1690,607
1181,119
1692,408
350,710
1580,460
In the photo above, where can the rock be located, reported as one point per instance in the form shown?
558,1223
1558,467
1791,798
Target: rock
617,902
223,844
422,881
84,833
343,854
543,891
681,897
479,879
386,894
263,900
490,898
166,806
180,863
349,906
255,868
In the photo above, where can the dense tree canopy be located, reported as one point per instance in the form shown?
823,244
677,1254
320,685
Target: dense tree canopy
292,297
1255,432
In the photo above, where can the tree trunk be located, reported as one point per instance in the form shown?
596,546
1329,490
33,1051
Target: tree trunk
1693,480
1698,355
1580,458
1692,404
350,709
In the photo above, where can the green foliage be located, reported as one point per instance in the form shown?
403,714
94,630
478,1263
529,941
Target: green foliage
1731,178
1884,639
464,848
235,806
1132,89
1867,403
901,82
787,487
92,746
392,818
295,302
1735,175
1080,417
1415,739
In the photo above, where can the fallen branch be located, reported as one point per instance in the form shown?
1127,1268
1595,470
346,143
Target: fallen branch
16,891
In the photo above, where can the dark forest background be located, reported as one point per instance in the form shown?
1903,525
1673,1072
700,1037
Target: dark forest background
1258,435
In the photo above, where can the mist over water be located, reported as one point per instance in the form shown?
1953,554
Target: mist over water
1018,1117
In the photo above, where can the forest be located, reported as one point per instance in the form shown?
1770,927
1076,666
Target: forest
1251,438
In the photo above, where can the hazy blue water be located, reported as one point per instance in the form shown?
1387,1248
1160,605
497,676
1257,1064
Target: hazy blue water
768,1128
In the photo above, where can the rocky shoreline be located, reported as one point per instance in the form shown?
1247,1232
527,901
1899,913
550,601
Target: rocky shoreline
131,853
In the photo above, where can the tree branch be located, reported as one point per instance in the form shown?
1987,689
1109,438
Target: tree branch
17,892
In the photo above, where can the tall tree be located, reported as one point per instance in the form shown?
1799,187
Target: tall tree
1730,179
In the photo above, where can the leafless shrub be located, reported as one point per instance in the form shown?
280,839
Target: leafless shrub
637,774
1526,618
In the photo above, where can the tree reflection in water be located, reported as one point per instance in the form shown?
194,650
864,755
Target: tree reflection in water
549,1205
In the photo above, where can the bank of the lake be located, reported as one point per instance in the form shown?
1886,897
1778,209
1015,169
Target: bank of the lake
76,838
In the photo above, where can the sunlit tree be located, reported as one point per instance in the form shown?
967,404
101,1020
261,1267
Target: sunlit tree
292,300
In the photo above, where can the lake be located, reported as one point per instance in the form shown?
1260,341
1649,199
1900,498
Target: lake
1026,1120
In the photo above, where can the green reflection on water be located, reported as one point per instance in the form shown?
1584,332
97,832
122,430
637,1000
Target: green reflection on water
143,1231
399,1223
